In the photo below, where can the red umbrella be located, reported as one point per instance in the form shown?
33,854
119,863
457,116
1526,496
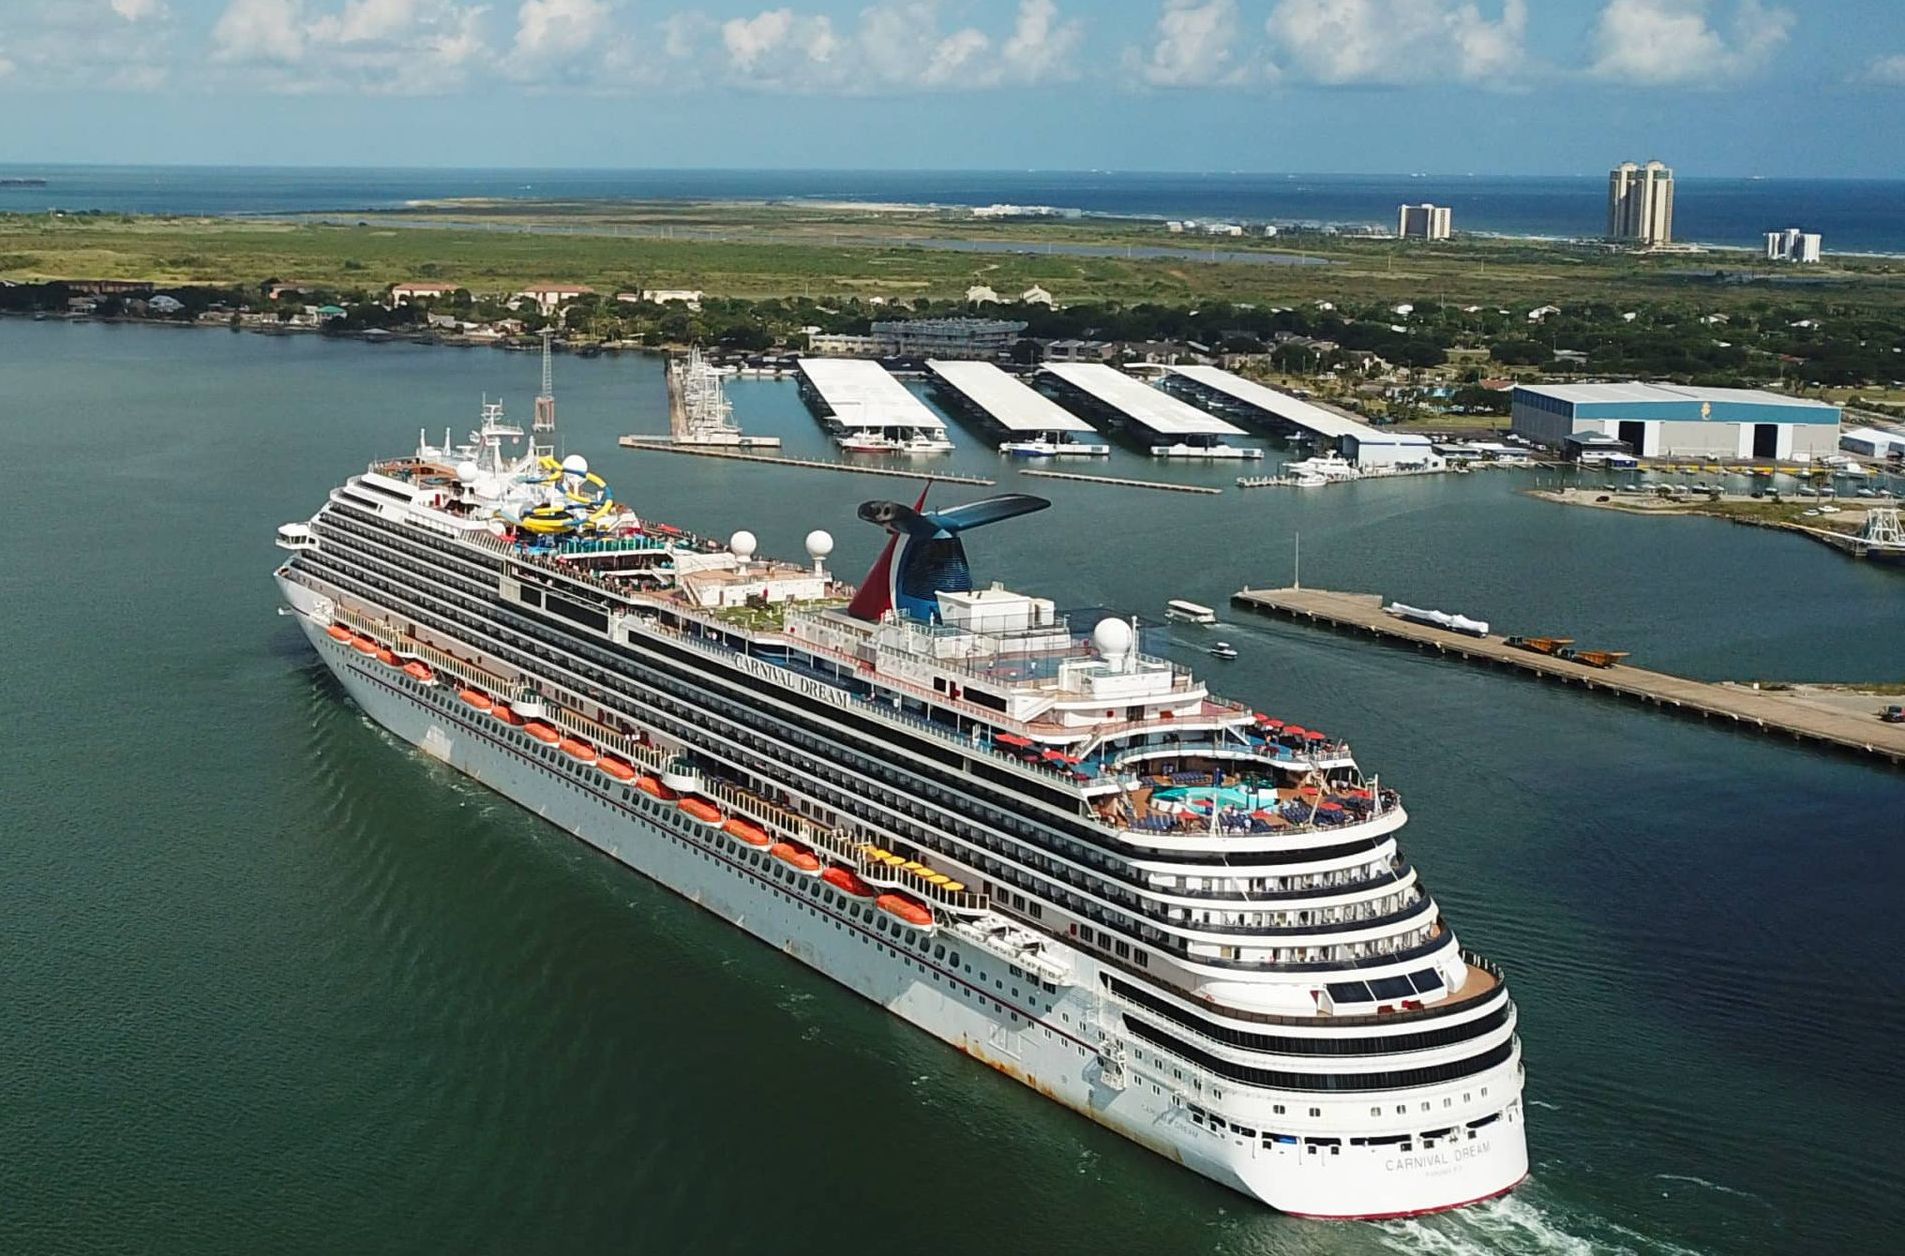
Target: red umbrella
1267,722
1291,730
1011,739
1329,806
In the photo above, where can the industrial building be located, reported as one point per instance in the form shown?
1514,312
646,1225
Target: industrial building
1665,420
1424,222
1792,245
1640,203
1873,442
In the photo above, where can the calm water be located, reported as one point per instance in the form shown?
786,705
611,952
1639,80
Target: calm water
1854,215
277,983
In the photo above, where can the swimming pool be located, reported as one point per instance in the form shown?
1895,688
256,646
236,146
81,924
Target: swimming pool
1228,796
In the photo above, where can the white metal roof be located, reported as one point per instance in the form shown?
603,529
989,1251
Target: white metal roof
1144,405
1011,402
1635,390
1292,409
863,394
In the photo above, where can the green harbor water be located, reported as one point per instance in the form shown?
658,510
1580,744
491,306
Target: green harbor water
277,983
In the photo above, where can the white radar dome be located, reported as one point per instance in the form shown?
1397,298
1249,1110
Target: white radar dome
742,544
467,472
576,464
1112,637
819,544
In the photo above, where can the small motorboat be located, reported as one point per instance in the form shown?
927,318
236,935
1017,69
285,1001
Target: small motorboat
1223,650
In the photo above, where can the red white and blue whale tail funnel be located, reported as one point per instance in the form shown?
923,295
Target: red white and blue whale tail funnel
923,554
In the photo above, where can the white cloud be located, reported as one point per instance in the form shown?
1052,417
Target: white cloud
1195,46
1664,43
893,48
121,45
139,10
1399,41
393,46
1886,71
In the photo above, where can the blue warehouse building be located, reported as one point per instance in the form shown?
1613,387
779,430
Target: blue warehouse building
1667,420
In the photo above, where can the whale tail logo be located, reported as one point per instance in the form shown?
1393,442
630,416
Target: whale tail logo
923,554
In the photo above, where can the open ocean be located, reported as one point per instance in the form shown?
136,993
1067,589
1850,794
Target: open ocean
276,982
1854,215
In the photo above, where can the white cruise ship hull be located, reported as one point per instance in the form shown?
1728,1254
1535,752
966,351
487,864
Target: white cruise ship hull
1053,1042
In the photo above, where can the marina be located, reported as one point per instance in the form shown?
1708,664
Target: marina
699,412
1034,424
1176,428
868,410
1364,446
1748,708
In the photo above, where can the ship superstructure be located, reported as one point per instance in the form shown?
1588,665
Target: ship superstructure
1186,919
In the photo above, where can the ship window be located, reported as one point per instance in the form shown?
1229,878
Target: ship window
1316,1112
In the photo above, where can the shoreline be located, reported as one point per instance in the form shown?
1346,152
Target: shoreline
1596,500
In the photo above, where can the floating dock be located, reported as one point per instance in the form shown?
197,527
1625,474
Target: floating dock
1120,482
1762,711
663,445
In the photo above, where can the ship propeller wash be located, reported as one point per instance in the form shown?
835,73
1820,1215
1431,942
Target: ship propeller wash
1034,840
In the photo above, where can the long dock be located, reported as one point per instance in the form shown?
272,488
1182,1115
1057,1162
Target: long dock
661,445
1120,482
1761,711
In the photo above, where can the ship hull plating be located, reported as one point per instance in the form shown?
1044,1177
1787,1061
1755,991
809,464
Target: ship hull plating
1051,1040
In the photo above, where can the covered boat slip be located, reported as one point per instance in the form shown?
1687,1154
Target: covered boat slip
1026,416
1362,444
1181,429
862,396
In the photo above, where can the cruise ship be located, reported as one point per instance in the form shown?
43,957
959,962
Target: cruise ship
1182,918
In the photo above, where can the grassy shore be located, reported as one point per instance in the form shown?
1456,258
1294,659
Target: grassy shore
761,251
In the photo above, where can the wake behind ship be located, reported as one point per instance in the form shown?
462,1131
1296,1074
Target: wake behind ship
1186,920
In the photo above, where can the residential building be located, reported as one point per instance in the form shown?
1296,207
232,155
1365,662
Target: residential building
550,297
1660,420
1640,203
1792,245
1035,295
404,293
1424,222
981,294
690,297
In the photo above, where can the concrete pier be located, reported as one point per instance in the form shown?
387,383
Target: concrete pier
1765,711
662,445
1121,482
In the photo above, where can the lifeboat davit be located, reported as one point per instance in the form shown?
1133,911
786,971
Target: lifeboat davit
542,732
795,856
616,768
419,671
339,633
655,789
474,698
701,810
747,831
363,645
848,880
909,910
581,751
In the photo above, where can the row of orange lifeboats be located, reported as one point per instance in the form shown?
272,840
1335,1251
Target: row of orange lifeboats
369,648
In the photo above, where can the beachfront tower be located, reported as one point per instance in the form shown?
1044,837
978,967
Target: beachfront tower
1640,203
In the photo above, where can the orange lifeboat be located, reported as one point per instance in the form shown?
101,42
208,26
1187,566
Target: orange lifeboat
616,768
386,657
339,633
419,671
502,712
847,879
578,750
363,645
747,831
542,732
795,856
472,698
903,908
655,789
706,812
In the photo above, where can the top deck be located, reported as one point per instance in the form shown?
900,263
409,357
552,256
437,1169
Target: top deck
1282,405
859,393
1009,401
1154,411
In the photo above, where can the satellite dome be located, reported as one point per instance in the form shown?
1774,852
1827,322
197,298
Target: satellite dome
742,544
467,472
575,464
819,544
1112,637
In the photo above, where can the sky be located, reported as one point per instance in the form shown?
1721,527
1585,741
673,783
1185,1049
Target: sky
1714,87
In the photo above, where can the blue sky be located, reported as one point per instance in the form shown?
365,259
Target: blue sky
1716,87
